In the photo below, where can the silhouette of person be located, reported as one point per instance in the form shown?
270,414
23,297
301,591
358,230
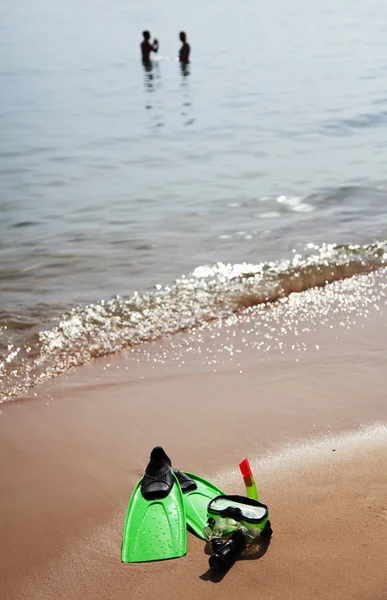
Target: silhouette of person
185,49
147,47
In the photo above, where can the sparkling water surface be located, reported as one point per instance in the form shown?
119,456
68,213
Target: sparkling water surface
115,177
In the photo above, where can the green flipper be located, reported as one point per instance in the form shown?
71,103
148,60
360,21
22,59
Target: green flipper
155,526
197,496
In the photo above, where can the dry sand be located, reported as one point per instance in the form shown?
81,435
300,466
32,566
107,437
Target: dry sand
312,422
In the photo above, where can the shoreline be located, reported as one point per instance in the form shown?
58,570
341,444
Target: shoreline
72,451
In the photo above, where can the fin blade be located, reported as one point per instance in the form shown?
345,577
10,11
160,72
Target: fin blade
154,530
196,503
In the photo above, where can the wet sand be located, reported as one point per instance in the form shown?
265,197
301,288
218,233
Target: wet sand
312,423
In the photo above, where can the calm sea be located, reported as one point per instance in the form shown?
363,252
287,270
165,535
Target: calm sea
115,180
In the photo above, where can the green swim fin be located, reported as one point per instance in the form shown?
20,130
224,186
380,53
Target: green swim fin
155,526
197,493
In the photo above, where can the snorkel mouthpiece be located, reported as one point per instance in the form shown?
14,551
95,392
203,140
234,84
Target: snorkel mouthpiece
225,554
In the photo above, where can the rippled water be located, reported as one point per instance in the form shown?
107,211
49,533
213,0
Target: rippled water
115,178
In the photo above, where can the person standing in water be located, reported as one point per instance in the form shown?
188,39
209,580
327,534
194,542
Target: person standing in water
185,49
147,47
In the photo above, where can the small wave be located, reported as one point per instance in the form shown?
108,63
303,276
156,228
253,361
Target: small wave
209,293
360,121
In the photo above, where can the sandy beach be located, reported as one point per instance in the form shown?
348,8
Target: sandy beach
312,422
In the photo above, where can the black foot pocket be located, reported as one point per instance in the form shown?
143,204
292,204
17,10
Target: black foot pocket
186,483
158,479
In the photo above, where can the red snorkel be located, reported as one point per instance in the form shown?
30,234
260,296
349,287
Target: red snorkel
251,488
